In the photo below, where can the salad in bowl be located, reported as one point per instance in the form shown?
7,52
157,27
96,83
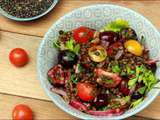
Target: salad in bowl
100,62
102,72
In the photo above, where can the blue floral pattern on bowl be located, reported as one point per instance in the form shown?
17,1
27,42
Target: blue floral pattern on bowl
96,16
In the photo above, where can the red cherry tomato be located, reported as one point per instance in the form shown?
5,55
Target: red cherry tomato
22,112
18,57
86,91
83,34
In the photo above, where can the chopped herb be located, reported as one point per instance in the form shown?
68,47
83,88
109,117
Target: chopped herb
142,90
93,64
74,91
129,70
50,79
116,68
70,56
103,108
74,79
56,44
80,68
106,80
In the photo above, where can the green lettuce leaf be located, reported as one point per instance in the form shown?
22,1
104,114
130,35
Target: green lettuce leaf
116,25
72,46
135,103
56,44
142,90
143,75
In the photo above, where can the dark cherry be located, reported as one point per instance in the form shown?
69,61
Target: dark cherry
153,67
124,88
136,95
128,33
67,58
100,100
108,36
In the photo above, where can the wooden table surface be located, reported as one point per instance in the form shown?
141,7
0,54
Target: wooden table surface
21,85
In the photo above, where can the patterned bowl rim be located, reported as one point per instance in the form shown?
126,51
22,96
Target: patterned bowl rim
123,116
4,13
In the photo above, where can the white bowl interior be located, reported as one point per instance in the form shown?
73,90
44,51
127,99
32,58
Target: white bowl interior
96,16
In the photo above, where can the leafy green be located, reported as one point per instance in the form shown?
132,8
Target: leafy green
145,75
139,70
70,56
76,49
50,79
129,70
132,82
70,45
127,99
74,79
116,68
135,103
142,90
56,44
74,91
149,79
80,68
106,80
116,25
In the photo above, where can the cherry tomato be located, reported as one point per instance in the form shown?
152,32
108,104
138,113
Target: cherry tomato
58,76
22,112
97,53
18,57
113,46
116,79
86,91
133,47
83,34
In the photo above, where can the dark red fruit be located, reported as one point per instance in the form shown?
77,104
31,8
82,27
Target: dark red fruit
108,36
124,88
100,100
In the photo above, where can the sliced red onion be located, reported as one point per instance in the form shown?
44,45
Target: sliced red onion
110,112
59,91
119,54
132,90
105,44
78,105
150,62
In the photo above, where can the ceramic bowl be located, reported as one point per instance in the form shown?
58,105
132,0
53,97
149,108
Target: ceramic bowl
96,16
4,13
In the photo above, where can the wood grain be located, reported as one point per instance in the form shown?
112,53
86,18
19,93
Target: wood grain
45,110
148,8
42,110
19,81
